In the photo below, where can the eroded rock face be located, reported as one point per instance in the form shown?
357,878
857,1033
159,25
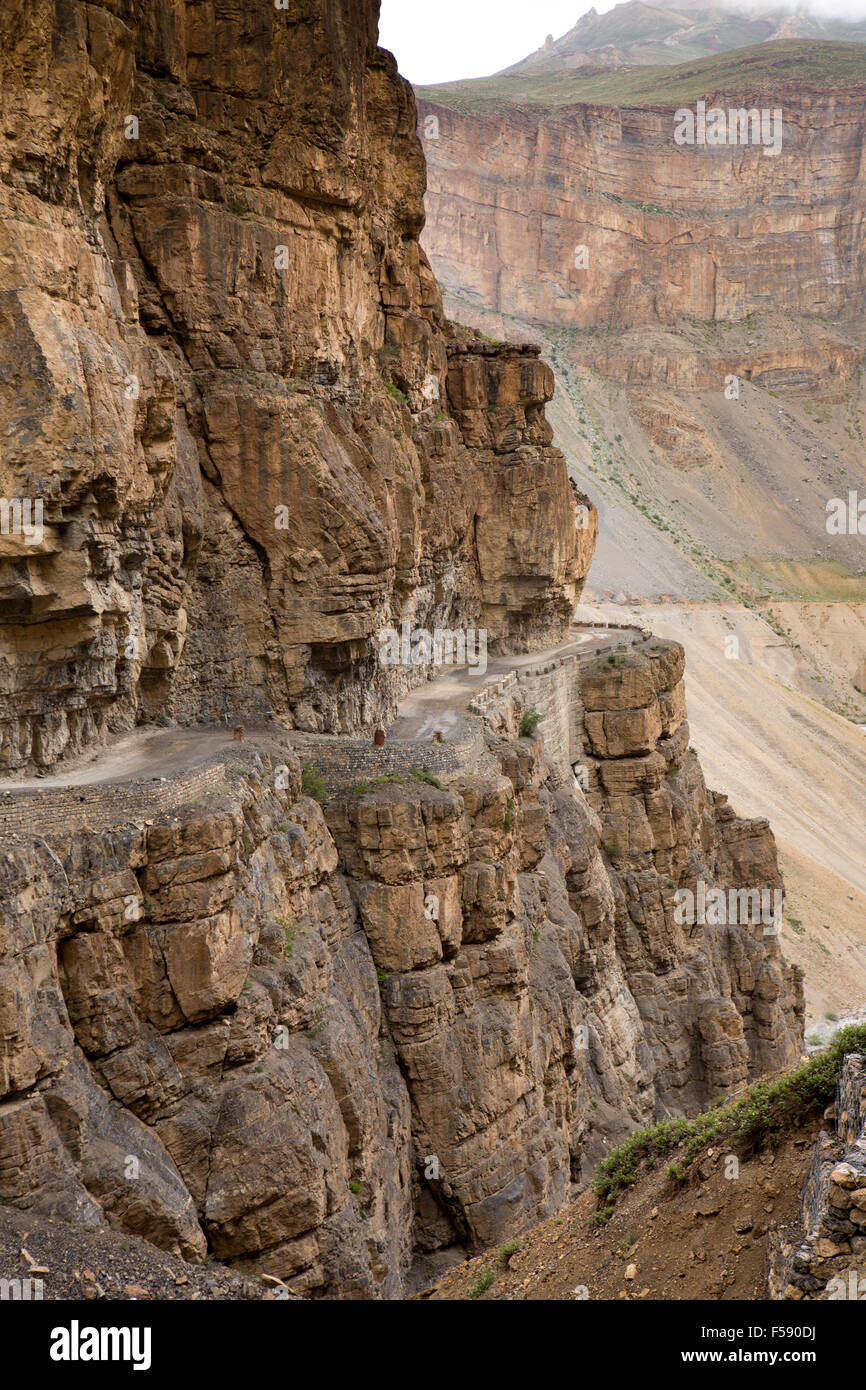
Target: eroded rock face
515,192
317,1041
226,378
312,1040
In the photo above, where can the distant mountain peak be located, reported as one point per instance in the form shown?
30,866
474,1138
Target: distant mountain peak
637,33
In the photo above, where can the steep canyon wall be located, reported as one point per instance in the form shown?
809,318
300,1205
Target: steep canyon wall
670,231
226,381
320,1041
316,1039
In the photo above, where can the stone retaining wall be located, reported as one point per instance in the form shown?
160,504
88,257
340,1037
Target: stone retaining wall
552,689
102,805
344,762
830,1263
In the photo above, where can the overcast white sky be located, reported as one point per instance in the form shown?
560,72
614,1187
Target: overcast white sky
445,40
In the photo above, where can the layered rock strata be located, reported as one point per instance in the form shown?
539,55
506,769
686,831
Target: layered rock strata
317,1041
227,389
592,216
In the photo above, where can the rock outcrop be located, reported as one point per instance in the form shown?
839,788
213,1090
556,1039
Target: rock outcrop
226,383
317,1041
828,1263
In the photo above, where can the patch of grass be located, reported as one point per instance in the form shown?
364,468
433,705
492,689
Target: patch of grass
292,929
389,778
482,1283
238,206
602,1216
760,68
529,722
423,774
509,814
396,394
319,1023
754,1121
509,1250
313,783
356,1188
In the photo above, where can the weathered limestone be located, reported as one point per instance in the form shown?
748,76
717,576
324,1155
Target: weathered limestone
514,190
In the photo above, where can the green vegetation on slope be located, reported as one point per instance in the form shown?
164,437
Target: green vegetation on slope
760,69
761,1114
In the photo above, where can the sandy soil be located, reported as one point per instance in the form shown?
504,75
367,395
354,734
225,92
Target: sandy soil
705,1241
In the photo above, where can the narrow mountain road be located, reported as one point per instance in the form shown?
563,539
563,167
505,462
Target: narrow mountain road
438,705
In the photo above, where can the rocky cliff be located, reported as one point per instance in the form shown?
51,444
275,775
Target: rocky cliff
322,1041
315,1036
703,307
225,383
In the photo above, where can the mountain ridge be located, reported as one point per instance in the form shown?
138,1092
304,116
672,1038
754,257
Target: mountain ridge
640,33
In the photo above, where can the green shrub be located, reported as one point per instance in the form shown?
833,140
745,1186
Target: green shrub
313,783
423,774
754,1121
482,1283
292,929
529,722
